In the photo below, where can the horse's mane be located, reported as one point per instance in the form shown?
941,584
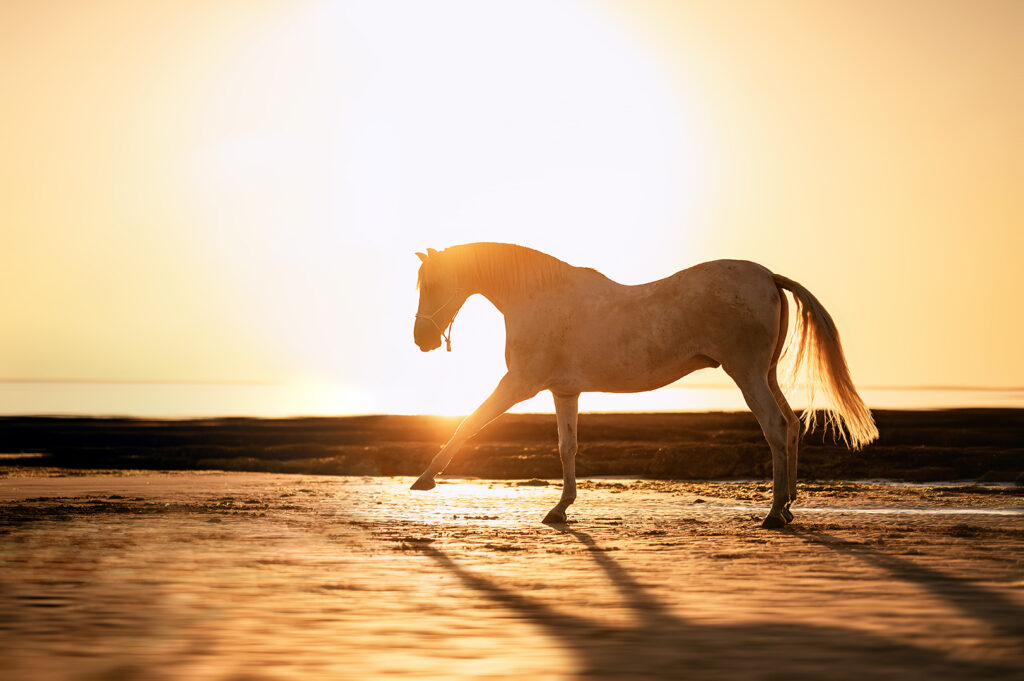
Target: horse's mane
500,269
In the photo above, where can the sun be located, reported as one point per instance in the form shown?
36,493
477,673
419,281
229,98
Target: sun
547,125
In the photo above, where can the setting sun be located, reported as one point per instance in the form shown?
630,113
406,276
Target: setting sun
210,193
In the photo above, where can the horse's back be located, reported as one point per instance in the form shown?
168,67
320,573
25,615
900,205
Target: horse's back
724,307
741,277
594,334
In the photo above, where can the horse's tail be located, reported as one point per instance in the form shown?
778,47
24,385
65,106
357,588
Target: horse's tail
816,344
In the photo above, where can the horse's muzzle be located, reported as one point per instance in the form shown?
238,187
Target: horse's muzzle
425,335
425,347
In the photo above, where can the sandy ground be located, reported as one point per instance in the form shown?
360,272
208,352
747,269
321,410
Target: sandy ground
262,576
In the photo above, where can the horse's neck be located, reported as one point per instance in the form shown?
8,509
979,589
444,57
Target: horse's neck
505,298
513,299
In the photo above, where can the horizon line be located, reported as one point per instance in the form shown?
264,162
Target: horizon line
268,383
131,381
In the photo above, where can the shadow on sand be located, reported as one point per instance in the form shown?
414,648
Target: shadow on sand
972,600
660,644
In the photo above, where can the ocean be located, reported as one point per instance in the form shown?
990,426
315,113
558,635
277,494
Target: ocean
194,400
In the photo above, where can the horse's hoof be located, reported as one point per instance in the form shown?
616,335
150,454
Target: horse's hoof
787,514
773,522
423,484
555,517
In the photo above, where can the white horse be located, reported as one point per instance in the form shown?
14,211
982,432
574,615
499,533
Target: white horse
571,330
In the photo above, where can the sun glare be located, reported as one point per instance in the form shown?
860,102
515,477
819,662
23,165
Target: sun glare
543,124
232,193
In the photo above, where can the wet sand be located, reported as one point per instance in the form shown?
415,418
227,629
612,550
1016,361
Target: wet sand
206,575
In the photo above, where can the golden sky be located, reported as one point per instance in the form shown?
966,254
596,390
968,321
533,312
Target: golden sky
228,191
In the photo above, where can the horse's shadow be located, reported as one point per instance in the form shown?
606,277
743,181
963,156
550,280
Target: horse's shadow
660,644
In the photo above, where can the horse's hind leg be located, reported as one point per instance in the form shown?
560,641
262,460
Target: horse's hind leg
761,401
792,420
792,439
566,409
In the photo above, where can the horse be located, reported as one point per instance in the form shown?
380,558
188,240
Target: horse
571,330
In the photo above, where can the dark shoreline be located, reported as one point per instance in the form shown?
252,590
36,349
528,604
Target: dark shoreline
957,444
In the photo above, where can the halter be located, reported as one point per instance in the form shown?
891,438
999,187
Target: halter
430,318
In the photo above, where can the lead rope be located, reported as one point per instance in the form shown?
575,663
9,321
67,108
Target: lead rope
448,336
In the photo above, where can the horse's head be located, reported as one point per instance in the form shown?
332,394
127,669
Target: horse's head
440,300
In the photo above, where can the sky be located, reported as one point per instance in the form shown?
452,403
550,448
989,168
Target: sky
224,192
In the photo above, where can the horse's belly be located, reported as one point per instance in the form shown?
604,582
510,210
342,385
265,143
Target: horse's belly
632,339
625,376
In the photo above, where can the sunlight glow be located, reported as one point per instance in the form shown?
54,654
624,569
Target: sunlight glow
447,131
231,193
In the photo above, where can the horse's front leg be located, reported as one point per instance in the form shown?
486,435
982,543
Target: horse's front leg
509,392
566,410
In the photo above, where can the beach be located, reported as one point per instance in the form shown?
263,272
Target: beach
110,571
209,575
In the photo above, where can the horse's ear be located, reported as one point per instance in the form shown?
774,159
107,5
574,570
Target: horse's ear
431,251
422,256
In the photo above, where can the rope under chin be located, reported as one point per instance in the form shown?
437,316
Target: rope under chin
430,318
447,336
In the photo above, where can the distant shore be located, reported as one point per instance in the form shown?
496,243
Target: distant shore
985,445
